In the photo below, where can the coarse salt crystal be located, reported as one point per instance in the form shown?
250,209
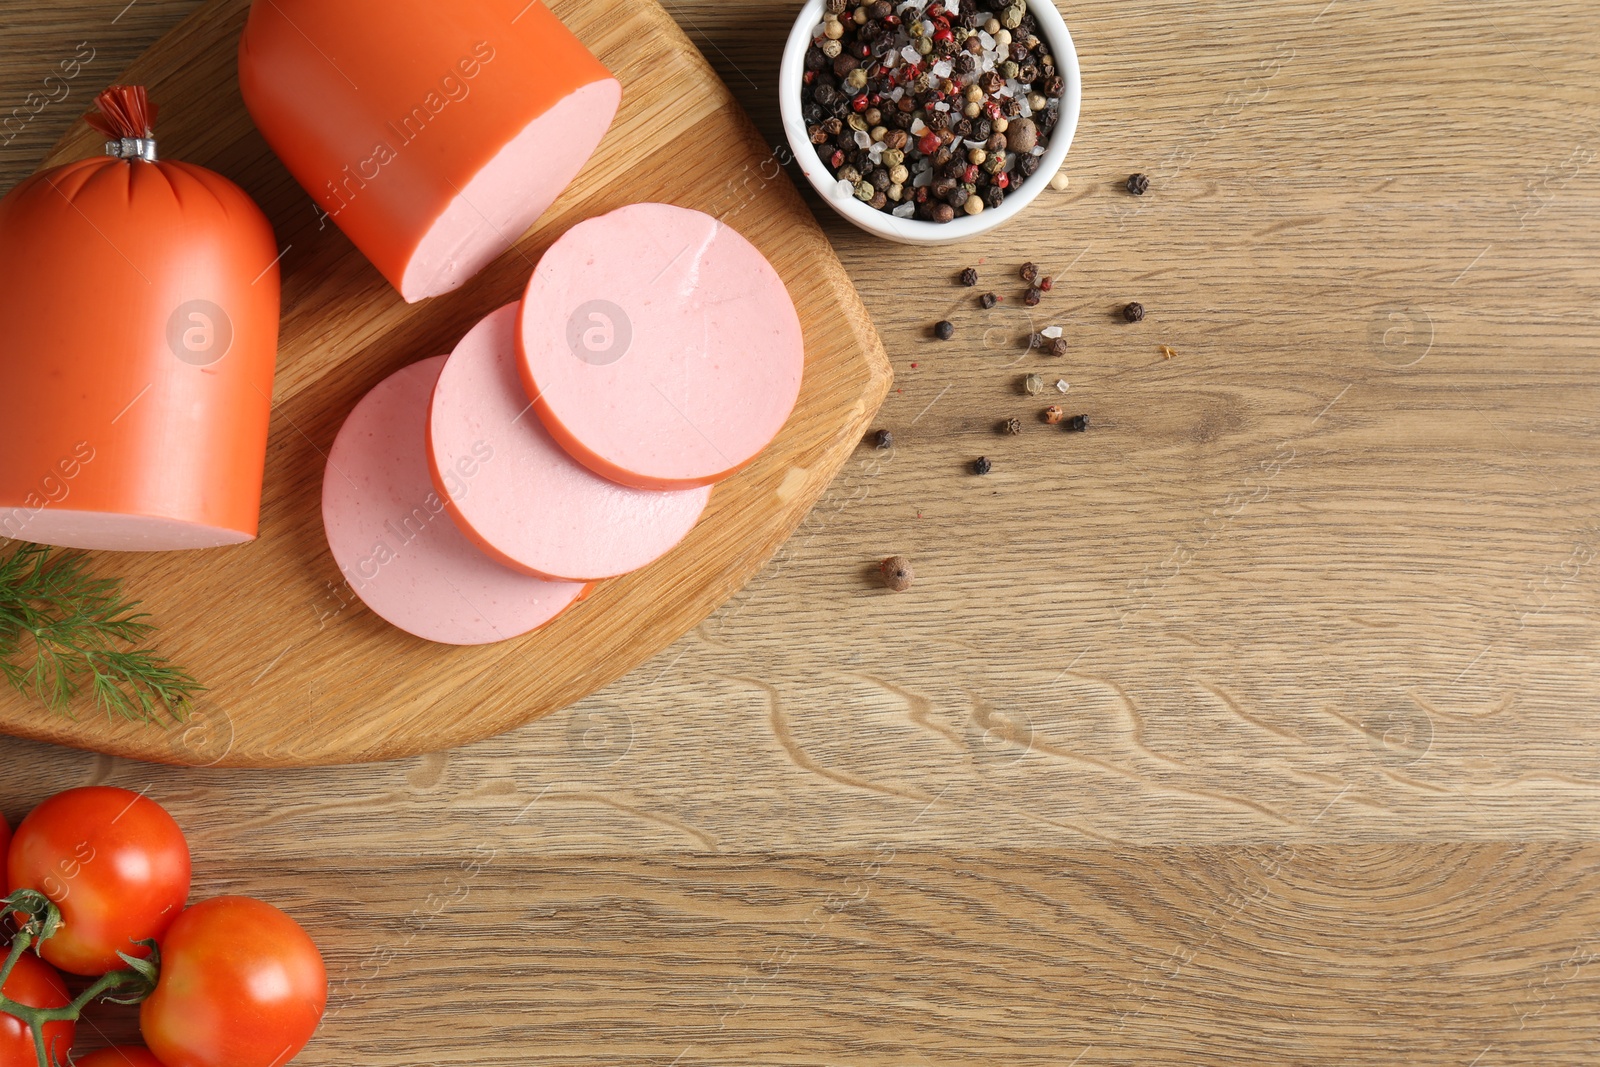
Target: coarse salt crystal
1038,150
1051,332
922,179
918,128
952,6
1062,385
897,92
862,140
911,54
974,144
1025,111
941,106
843,190
905,211
942,69
986,39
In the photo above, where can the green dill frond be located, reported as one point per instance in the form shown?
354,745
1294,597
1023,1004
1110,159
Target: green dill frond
64,631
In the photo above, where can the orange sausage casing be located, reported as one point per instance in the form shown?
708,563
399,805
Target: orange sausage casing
433,134
140,308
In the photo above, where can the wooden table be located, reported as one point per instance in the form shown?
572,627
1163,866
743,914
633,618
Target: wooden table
1252,727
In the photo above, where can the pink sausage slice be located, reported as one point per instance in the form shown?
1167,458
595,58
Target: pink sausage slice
660,347
534,508
395,543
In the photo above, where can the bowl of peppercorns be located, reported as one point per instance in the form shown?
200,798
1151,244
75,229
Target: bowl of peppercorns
930,121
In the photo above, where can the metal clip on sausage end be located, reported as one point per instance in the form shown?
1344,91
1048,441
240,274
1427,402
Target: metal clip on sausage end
132,148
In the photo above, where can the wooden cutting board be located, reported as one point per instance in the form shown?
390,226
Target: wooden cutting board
300,672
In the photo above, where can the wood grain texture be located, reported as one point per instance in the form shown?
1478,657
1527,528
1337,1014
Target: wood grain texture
1182,759
301,672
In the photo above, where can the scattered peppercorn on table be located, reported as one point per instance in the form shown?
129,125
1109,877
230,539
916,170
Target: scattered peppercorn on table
1249,725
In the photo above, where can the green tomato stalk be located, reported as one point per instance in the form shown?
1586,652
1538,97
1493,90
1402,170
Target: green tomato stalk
41,920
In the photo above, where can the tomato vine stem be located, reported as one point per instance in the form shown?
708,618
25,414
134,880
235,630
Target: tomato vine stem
136,982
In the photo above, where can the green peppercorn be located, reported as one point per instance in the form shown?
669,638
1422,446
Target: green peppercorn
865,191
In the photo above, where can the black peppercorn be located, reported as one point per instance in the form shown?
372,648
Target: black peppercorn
1138,184
969,277
942,212
1134,312
1032,297
945,330
995,196
897,573
1058,347
883,440
1012,426
1077,424
982,466
988,300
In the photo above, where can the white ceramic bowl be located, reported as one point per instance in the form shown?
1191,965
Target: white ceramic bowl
916,231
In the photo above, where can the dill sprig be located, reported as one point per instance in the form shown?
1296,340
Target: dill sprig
64,631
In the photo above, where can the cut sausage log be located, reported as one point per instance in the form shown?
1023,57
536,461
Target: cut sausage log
433,135
396,545
140,309
534,507
660,347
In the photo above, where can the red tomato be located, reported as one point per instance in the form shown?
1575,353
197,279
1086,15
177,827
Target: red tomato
121,1056
115,864
241,986
36,984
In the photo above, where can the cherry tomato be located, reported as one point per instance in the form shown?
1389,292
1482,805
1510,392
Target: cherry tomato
121,1056
36,984
241,986
116,865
